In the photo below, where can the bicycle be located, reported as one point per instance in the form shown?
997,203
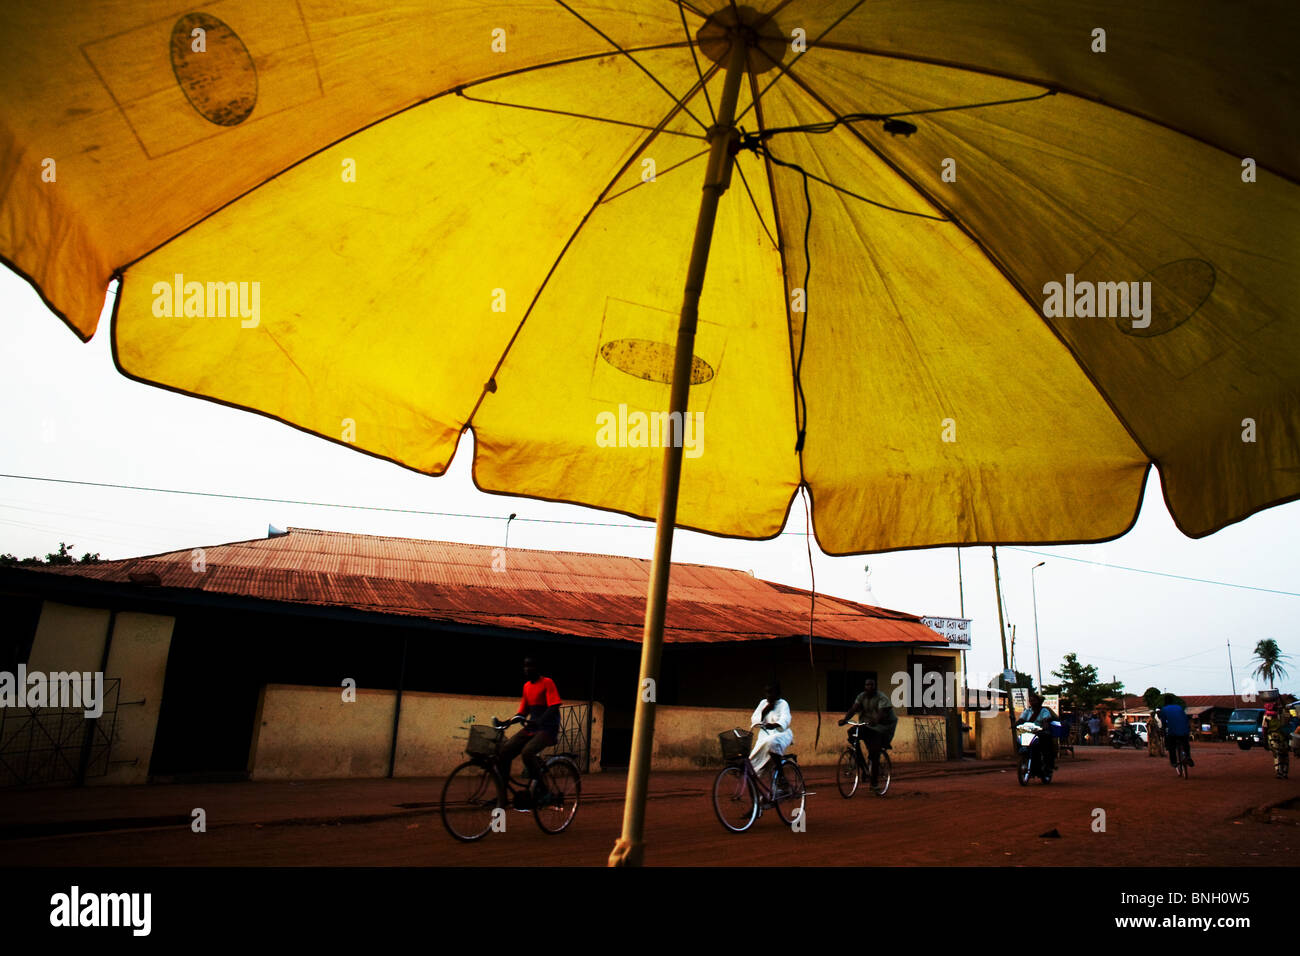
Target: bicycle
853,768
1182,761
476,791
740,795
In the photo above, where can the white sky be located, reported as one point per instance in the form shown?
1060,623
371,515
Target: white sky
68,414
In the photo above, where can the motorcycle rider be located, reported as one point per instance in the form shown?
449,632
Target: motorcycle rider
1038,714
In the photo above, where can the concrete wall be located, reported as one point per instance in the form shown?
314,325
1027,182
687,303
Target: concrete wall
70,638
138,655
309,732
312,733
686,738
993,737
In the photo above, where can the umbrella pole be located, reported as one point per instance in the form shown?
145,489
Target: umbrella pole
630,848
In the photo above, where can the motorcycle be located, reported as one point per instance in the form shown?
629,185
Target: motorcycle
1030,740
1124,735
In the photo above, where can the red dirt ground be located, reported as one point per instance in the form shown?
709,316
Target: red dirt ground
1152,818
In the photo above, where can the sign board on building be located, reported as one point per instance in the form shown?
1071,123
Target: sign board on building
1053,703
954,630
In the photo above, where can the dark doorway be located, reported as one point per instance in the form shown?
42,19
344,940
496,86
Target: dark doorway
209,702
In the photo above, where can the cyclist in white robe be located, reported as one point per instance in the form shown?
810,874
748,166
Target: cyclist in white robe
773,735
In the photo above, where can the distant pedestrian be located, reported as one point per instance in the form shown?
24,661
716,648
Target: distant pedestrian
1094,728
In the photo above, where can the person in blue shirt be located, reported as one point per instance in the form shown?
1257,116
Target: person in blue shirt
1177,729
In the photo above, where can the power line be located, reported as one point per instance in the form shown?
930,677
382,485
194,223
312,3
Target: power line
1162,574
644,526
318,504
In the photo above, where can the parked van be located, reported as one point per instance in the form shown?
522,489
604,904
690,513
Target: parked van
1246,727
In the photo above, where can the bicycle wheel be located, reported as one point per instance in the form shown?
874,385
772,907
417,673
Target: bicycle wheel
884,775
846,778
561,793
470,796
791,792
734,800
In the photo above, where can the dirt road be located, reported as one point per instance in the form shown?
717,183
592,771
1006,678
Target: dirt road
1109,807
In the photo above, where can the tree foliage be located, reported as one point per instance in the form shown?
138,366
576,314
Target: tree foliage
62,556
1079,688
1269,657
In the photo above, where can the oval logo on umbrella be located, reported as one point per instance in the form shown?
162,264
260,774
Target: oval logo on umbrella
213,69
1178,290
650,360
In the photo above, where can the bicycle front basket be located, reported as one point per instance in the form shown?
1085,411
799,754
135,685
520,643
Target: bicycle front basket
483,741
736,744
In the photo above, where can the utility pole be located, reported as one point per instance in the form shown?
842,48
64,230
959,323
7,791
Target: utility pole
961,599
1002,632
1038,654
1232,676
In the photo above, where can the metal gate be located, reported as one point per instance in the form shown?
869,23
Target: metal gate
52,746
931,738
575,734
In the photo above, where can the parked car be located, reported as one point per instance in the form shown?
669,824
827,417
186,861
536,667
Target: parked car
1245,726
1140,728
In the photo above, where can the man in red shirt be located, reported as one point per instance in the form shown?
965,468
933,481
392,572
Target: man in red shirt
541,705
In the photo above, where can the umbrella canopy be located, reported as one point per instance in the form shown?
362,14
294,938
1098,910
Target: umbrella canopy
1050,244
387,227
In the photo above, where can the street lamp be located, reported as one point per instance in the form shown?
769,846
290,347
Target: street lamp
1037,654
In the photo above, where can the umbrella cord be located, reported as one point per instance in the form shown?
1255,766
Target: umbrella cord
802,422
812,614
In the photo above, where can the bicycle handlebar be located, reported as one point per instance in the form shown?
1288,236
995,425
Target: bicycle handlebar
503,724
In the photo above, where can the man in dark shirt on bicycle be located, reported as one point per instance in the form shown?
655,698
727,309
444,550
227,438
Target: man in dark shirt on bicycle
1177,729
878,714
540,704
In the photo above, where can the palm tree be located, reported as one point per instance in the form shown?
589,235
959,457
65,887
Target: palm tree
1269,657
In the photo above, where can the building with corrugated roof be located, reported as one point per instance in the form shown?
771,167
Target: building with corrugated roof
237,659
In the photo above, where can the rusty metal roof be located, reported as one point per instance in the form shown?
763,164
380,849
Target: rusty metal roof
560,592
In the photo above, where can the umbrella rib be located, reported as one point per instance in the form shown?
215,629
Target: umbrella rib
784,68
662,172
589,116
637,63
120,271
490,385
1053,87
754,203
785,272
997,263
691,7
681,9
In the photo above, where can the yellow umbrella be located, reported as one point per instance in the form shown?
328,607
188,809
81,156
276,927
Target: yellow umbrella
1034,246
